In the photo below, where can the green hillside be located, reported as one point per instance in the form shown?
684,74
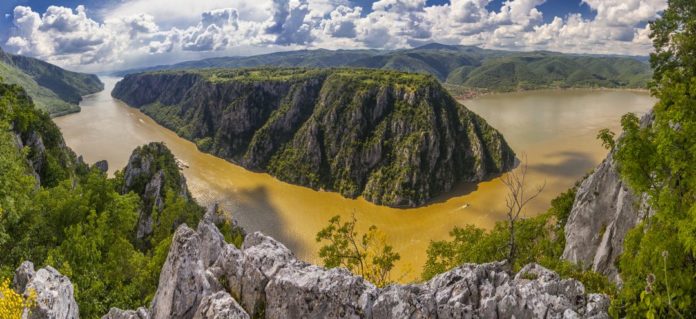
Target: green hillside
462,68
53,89
534,71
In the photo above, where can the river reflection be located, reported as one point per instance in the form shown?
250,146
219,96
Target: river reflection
555,129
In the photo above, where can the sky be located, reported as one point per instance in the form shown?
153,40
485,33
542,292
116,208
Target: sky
105,35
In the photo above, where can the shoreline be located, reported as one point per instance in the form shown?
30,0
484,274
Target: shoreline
475,94
74,110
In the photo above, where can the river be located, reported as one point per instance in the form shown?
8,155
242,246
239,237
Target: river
555,129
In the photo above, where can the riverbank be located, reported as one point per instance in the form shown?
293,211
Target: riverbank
465,93
556,131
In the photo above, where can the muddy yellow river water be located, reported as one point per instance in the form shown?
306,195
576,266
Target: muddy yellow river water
555,129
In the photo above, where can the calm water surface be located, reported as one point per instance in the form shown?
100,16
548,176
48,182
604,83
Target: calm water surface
555,129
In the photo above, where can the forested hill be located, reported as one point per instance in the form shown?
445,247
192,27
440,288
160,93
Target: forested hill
464,66
53,89
396,138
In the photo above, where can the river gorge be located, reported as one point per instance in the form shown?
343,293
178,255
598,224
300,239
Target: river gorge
556,130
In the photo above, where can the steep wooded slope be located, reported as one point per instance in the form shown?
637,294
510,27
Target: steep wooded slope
53,89
397,139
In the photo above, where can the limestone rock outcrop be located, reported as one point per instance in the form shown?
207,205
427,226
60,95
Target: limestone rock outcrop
54,292
203,277
150,172
605,209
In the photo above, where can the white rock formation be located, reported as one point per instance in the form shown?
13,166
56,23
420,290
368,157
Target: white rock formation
204,277
54,292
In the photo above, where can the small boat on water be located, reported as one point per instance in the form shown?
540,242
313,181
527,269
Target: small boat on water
181,164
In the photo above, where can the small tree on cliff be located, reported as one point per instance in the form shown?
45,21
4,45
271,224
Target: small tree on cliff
515,201
368,255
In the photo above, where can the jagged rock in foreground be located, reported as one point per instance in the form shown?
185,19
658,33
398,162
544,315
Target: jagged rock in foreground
397,139
203,277
605,209
54,292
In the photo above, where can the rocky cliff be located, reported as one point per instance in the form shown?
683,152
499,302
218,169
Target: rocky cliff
204,277
151,172
605,209
397,139
48,157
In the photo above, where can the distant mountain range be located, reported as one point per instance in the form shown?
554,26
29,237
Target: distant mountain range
461,66
53,89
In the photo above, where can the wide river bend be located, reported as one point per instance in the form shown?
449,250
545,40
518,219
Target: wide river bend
555,129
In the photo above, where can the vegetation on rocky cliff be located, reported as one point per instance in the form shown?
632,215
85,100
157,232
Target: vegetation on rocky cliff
55,210
658,264
397,139
54,90
540,240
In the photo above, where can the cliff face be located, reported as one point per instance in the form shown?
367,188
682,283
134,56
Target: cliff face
605,209
152,172
48,157
204,277
397,139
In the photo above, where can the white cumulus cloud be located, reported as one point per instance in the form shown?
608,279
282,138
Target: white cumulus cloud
142,31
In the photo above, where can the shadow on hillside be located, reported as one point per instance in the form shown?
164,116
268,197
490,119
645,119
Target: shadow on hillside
253,210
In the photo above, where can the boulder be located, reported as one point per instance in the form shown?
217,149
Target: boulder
23,275
54,292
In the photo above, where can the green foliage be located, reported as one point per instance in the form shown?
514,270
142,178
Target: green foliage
657,265
205,144
560,208
53,89
538,70
368,255
465,66
354,131
607,138
30,125
539,239
76,219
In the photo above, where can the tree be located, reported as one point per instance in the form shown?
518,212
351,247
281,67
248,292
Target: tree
658,158
515,201
368,255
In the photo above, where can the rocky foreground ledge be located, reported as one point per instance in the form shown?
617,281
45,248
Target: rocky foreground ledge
204,277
